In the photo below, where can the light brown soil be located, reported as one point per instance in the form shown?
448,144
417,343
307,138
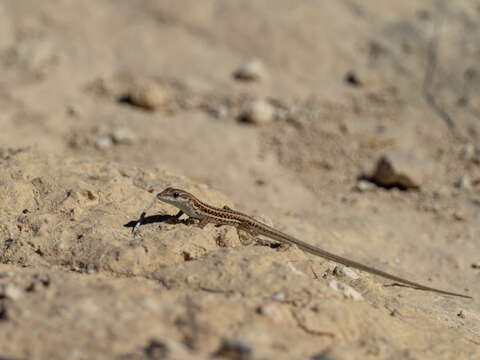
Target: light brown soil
349,81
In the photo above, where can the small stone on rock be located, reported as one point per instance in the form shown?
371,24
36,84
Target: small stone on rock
258,112
364,185
346,290
123,136
464,182
156,349
352,79
400,170
253,70
148,95
273,311
221,112
278,296
103,142
12,292
345,271
234,349
458,216
468,152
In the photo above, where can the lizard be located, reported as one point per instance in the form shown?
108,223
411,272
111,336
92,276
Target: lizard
194,208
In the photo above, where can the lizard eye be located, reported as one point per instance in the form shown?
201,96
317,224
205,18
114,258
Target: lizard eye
176,194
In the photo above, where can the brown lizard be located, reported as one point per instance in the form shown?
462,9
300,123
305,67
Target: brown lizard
205,213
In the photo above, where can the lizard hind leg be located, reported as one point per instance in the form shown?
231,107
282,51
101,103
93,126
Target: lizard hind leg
246,235
250,236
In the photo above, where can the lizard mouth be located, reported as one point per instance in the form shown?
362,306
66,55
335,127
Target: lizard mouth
165,199
168,199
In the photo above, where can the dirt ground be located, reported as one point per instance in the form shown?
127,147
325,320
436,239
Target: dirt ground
280,109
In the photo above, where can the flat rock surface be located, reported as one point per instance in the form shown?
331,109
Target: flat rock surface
81,158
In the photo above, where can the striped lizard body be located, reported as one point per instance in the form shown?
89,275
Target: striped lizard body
205,213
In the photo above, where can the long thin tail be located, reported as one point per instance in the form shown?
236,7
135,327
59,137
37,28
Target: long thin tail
276,235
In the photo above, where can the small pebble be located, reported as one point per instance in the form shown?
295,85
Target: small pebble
149,303
157,349
345,271
464,182
459,216
346,290
461,314
401,170
351,78
252,70
123,136
258,112
394,312
364,185
71,110
12,292
476,265
273,311
103,142
260,182
221,112
468,151
148,95
278,296
234,349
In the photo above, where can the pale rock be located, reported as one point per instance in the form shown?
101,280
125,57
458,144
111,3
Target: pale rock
346,290
364,185
345,271
252,70
464,182
123,136
12,292
278,296
104,142
272,310
468,152
400,169
258,112
148,95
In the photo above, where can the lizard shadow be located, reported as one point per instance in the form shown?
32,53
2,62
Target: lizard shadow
174,219
168,219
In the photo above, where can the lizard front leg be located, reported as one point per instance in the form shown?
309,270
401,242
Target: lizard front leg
204,222
175,219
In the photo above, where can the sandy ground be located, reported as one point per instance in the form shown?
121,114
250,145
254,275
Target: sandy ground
104,104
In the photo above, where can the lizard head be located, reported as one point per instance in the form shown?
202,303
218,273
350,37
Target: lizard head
179,198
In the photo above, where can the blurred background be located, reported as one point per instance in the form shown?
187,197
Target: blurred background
360,117
266,100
